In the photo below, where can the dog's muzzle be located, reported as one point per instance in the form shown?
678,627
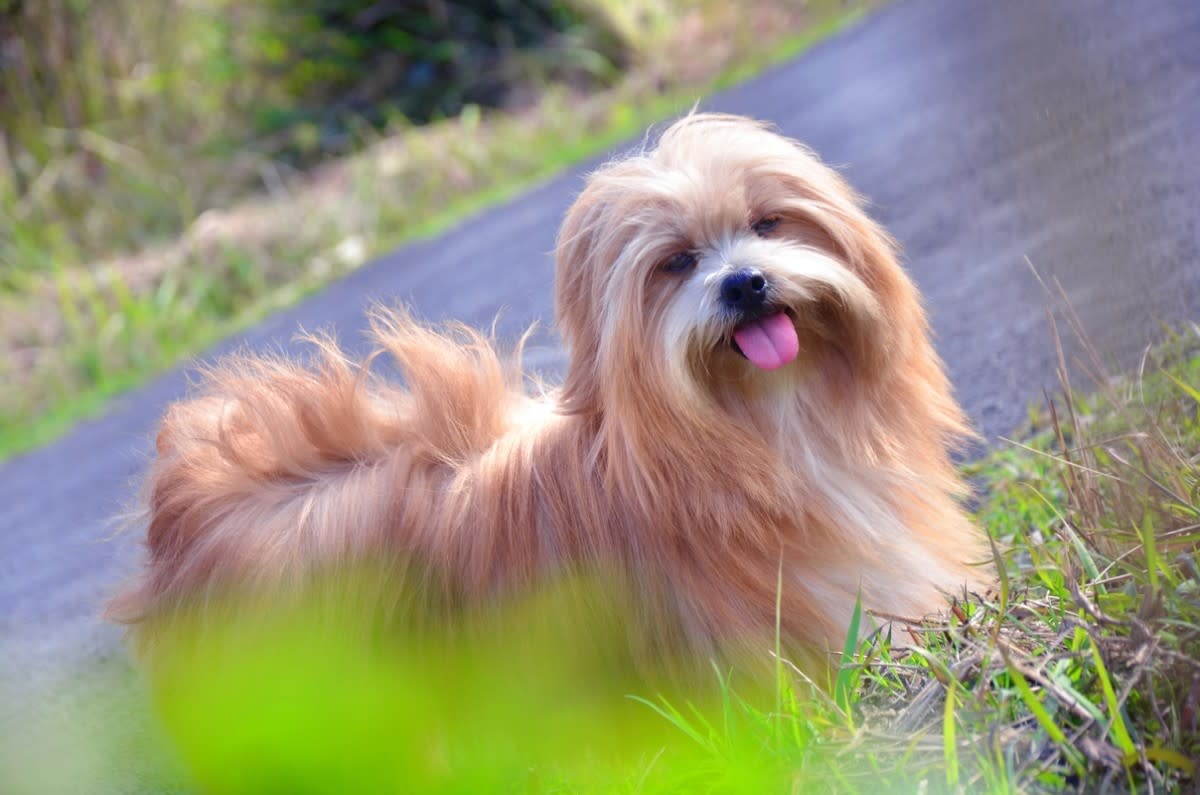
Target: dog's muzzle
764,334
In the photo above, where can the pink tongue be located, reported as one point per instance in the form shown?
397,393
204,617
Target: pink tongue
769,342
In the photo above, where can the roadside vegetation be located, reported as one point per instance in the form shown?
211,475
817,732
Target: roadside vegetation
1079,673
1082,672
170,172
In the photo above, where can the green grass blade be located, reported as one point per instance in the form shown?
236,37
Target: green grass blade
1120,733
1146,531
1035,706
1188,389
1169,757
949,739
1085,557
843,685
780,682
673,716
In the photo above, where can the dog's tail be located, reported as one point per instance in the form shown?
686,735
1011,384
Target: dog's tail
278,467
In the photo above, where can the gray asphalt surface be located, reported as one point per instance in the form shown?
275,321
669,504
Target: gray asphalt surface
985,134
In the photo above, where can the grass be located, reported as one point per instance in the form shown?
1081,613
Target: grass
1089,656
1079,673
1082,672
76,330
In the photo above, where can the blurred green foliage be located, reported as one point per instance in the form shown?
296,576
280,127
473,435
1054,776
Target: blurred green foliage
372,58
101,96
540,693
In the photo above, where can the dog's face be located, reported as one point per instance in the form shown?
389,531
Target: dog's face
727,257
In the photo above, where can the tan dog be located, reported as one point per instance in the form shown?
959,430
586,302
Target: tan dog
753,412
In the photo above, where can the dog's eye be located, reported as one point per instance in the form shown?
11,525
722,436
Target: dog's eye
681,262
766,224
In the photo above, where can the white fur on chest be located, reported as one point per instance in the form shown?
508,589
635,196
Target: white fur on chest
858,497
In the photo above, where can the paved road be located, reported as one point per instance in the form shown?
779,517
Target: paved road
984,133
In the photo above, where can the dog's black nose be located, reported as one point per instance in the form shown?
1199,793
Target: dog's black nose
745,290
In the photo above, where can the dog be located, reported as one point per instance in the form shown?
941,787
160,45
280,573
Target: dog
754,428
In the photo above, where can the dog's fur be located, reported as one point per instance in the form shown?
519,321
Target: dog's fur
716,487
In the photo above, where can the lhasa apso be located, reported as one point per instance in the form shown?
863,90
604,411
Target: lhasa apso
754,426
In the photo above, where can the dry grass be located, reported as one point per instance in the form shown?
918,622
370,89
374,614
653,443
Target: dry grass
1082,673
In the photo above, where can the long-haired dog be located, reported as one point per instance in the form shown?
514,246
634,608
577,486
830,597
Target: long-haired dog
754,426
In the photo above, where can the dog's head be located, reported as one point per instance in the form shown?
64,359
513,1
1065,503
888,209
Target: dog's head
725,260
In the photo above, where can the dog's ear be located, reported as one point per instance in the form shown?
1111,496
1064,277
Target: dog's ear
908,404
577,297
